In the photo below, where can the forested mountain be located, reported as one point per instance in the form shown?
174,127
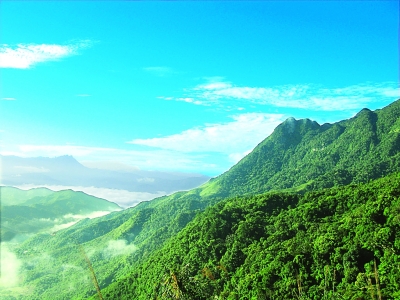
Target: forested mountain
299,156
303,155
337,243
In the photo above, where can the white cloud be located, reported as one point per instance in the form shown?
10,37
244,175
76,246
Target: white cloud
214,86
118,247
217,91
92,215
8,98
71,219
62,226
23,56
10,268
243,133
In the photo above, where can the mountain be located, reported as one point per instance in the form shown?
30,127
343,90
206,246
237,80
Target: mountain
303,155
67,171
280,246
298,157
25,213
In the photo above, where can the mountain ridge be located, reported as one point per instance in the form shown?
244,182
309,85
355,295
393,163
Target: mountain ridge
312,142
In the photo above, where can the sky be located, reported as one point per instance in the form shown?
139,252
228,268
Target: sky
185,86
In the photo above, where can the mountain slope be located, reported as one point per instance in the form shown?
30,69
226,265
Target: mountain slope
298,155
305,155
280,246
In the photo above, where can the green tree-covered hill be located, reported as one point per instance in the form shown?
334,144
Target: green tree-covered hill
301,154
337,243
27,212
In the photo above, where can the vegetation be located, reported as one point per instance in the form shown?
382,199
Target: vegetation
329,244
303,155
311,213
25,213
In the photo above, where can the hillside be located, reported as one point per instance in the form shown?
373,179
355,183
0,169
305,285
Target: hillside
25,213
13,196
328,244
300,155
303,155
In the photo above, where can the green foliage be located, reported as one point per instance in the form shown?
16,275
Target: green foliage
24,213
329,244
303,155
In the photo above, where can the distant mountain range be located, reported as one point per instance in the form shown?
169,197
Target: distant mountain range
67,171
303,206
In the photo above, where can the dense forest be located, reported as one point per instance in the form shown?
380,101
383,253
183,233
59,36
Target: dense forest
337,243
312,213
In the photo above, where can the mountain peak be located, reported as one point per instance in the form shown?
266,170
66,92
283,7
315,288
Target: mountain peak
364,111
290,125
66,159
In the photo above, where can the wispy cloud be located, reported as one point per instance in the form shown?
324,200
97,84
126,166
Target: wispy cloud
23,56
118,247
8,99
311,97
10,268
239,135
159,71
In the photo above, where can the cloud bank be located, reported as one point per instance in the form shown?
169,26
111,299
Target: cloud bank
24,56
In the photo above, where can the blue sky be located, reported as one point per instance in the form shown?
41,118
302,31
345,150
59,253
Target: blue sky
185,86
